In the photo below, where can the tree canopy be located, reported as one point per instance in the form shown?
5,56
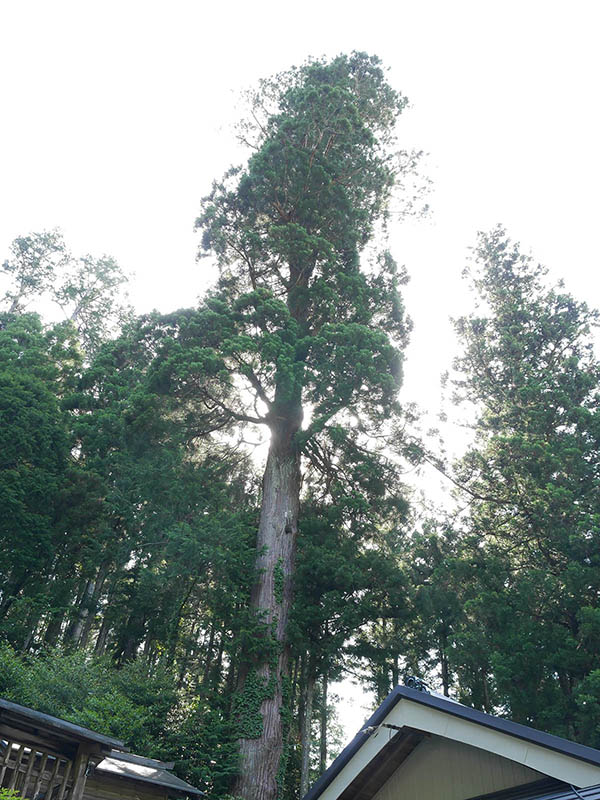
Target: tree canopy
203,516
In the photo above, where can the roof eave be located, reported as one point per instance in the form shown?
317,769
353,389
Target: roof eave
447,706
58,725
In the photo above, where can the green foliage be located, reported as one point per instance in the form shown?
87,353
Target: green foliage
128,500
247,703
278,579
133,704
300,318
587,715
526,573
130,704
149,541
9,794
87,291
203,741
32,267
38,478
294,316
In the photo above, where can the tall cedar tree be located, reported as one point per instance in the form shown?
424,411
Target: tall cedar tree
296,324
532,474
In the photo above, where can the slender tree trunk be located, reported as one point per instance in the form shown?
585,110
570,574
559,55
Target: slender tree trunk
486,695
294,684
9,595
175,632
305,737
395,671
93,606
132,638
209,650
27,640
230,682
444,665
76,629
301,695
216,671
187,656
323,738
33,624
100,645
73,615
271,601
54,628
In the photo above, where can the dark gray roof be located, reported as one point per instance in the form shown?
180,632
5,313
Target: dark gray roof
16,711
122,767
447,706
547,789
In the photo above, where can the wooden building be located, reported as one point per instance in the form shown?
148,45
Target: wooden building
46,758
124,775
422,746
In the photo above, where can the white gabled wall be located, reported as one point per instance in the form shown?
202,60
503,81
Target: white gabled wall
442,769
548,762
485,741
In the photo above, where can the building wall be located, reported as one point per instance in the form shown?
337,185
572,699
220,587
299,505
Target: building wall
442,769
101,787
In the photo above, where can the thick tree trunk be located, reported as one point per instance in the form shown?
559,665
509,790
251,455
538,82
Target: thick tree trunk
271,601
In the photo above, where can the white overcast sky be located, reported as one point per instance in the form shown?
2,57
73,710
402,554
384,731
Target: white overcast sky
116,116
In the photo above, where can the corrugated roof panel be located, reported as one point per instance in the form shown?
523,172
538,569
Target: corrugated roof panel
544,790
141,772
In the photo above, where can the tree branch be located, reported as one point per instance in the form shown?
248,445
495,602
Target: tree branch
235,414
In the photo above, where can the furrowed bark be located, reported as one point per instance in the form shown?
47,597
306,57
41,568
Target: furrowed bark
271,601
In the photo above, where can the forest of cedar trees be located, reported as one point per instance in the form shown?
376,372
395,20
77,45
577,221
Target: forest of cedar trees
205,519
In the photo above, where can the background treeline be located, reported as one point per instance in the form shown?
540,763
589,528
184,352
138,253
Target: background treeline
128,522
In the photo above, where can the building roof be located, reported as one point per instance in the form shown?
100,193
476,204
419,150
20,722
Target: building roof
138,768
117,761
143,760
544,790
15,713
406,739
